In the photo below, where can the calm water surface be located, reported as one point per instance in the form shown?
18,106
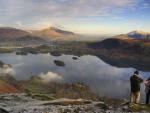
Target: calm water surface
103,78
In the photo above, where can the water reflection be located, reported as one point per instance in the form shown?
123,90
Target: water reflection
101,77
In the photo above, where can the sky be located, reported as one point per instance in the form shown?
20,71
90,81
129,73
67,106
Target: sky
80,16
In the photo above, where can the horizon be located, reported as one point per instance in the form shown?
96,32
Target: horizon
81,34
96,17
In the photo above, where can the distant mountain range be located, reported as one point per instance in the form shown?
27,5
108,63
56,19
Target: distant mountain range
130,50
135,41
52,33
134,35
12,36
139,35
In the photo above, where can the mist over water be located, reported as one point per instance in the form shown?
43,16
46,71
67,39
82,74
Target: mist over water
103,78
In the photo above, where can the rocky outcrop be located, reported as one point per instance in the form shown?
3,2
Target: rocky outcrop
3,110
59,63
21,103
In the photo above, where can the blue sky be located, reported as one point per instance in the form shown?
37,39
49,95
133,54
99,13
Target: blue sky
81,16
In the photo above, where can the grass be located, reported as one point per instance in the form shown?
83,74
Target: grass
5,50
43,97
140,108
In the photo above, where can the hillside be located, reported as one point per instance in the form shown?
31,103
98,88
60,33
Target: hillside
123,52
12,33
7,88
17,37
118,43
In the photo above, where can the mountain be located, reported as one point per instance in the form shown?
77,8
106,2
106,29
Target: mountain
54,33
12,33
110,43
128,45
17,37
134,35
123,52
139,35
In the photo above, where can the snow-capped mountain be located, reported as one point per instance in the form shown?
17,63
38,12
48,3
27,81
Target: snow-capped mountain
139,35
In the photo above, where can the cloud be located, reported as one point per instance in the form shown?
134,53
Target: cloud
81,7
145,5
60,8
19,23
50,77
6,70
69,13
18,65
43,24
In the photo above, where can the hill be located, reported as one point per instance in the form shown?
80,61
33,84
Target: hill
17,37
123,52
12,33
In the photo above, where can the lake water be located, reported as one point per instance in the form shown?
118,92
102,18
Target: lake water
103,78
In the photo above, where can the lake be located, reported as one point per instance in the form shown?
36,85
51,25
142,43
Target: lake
104,79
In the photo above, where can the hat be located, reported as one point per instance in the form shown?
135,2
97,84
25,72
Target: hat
136,73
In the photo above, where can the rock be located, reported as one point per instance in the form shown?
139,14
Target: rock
54,53
21,53
20,103
59,63
66,102
3,110
74,58
1,64
102,106
78,110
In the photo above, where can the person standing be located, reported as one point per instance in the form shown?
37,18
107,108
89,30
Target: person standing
135,82
147,90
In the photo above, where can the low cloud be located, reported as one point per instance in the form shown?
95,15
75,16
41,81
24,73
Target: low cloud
51,77
19,23
43,24
7,70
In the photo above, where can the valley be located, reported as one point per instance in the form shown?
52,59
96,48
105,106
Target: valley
51,96
74,56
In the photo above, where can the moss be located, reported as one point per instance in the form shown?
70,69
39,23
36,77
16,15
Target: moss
6,50
42,97
140,108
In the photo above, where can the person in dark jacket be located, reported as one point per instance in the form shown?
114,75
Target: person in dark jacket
147,90
135,87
